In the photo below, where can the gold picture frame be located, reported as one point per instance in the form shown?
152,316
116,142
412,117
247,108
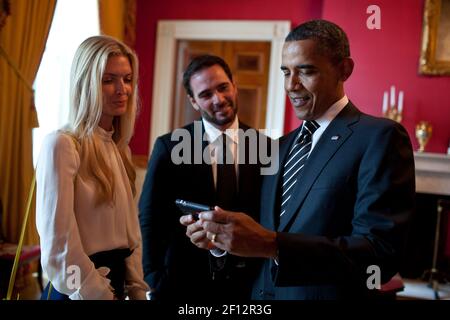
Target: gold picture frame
435,50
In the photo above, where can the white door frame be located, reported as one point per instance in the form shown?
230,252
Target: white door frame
170,31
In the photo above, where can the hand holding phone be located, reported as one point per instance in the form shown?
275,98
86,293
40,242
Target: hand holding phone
192,208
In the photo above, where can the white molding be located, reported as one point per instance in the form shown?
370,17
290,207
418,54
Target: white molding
432,173
169,31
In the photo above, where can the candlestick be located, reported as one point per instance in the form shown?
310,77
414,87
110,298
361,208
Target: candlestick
400,102
393,111
392,96
385,102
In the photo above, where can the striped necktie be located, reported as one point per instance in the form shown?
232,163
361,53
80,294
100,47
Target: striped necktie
296,161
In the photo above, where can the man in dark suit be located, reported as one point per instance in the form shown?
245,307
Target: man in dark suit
333,218
191,169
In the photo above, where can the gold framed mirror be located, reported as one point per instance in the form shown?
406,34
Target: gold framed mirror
435,50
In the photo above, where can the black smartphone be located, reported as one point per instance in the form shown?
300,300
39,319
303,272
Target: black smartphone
192,208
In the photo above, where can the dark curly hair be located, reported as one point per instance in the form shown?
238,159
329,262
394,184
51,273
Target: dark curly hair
202,62
331,39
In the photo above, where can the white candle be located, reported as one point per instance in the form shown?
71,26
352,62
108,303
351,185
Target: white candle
400,102
392,96
385,102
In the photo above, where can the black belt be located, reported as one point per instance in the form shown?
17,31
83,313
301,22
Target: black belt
115,261
112,259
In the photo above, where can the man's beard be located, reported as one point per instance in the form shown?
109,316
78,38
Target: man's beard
221,122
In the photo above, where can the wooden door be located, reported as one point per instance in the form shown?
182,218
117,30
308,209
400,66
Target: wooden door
249,63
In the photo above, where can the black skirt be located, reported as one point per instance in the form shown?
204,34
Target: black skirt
114,260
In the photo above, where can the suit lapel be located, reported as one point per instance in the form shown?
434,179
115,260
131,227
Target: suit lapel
269,199
203,170
324,150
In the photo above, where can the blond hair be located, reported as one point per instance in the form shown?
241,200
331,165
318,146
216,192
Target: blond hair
86,105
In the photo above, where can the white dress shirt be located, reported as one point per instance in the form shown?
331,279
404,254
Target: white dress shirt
213,135
71,227
326,119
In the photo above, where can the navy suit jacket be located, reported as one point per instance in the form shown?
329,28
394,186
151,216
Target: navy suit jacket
173,266
349,210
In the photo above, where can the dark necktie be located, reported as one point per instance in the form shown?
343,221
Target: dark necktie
226,184
295,162
226,197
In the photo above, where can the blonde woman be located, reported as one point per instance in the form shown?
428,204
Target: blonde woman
86,215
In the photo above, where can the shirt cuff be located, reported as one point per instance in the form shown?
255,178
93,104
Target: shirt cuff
276,258
218,252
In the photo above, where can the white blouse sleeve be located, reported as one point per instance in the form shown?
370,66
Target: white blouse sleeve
68,267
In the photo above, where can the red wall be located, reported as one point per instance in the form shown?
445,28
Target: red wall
382,57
